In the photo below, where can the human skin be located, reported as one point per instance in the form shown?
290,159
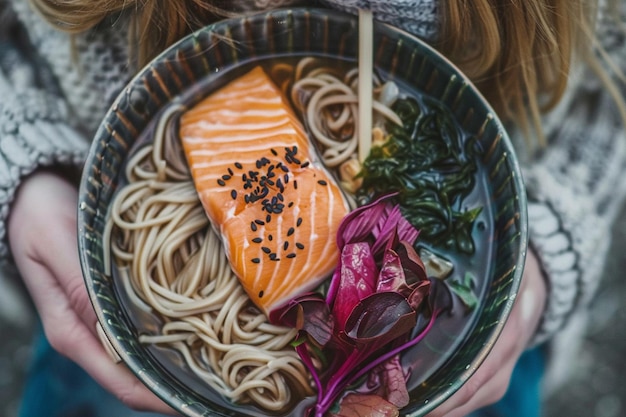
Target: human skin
490,381
43,235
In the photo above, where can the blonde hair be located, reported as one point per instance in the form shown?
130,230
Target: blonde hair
518,52
154,24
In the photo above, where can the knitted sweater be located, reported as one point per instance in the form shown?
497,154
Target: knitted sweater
51,103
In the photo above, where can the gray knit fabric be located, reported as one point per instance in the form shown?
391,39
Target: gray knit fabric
50,107
576,188
418,17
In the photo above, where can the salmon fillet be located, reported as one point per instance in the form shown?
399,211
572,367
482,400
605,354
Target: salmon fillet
264,189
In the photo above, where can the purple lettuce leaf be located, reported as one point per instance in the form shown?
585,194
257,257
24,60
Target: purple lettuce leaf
308,313
356,279
371,310
379,319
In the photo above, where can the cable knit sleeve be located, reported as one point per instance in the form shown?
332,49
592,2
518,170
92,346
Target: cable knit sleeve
576,188
54,91
33,133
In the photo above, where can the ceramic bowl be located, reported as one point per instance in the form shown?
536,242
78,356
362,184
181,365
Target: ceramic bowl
201,56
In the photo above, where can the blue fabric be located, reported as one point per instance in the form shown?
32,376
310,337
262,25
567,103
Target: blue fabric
56,387
523,397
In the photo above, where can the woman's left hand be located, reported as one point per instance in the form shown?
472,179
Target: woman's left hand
43,236
490,382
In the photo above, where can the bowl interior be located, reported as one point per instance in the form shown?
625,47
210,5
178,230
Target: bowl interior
202,57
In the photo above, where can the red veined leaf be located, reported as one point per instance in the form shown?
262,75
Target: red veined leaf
363,405
357,280
379,319
308,313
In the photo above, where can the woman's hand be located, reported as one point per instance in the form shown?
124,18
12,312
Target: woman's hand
43,236
490,382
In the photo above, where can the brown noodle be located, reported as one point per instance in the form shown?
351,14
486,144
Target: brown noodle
170,260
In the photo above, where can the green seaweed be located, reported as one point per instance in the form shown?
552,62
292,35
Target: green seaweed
432,166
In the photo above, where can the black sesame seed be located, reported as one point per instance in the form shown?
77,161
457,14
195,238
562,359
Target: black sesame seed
233,194
299,222
284,168
295,185
280,197
259,222
322,182
286,178
253,226
221,182
274,152
238,165
261,294
230,171
268,218
273,256
260,163
257,240
299,245
256,260
290,205
225,177
291,255
266,249
290,231
306,164
285,245
270,237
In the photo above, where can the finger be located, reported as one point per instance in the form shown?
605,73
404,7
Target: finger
51,244
475,394
490,381
71,337
480,390
62,263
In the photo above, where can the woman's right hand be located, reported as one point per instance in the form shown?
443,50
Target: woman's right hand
43,237
491,380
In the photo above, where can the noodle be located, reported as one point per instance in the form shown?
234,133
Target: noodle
329,103
171,261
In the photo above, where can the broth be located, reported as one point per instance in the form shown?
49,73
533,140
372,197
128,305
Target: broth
423,359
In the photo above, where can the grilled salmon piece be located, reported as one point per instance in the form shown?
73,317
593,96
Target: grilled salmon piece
264,189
